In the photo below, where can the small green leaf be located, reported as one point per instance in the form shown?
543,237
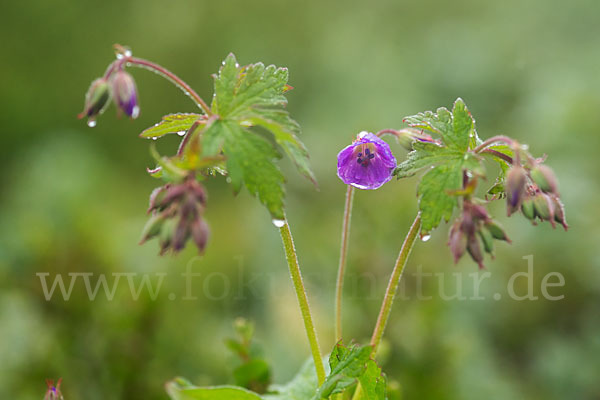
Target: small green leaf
302,387
251,127
446,161
180,389
172,123
373,382
436,202
250,161
347,365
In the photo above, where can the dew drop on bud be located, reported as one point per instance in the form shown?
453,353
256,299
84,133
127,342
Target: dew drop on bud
279,223
425,237
154,138
91,123
120,56
135,112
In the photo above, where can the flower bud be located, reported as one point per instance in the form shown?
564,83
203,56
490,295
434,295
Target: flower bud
528,209
544,208
487,240
96,100
457,241
545,179
53,392
559,213
124,93
496,230
407,136
474,249
516,180
200,233
152,227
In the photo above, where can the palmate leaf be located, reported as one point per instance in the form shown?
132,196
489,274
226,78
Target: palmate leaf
251,126
181,389
446,161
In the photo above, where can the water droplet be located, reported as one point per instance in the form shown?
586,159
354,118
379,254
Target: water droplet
135,112
237,65
127,53
181,133
119,56
154,138
278,222
425,237
91,123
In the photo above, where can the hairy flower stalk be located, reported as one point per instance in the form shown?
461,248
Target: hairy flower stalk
53,392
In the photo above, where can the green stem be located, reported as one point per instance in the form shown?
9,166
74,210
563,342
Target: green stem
390,293
342,265
311,333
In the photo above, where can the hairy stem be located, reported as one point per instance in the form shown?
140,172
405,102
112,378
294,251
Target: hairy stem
390,293
498,154
492,140
342,265
177,81
311,333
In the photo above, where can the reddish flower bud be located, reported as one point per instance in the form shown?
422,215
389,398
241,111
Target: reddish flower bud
200,234
96,100
457,241
124,93
474,249
516,179
559,213
545,179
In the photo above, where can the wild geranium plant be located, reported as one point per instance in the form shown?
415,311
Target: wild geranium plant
242,134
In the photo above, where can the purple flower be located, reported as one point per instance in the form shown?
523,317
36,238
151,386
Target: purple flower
367,163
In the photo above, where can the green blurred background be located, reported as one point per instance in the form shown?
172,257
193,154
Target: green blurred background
73,199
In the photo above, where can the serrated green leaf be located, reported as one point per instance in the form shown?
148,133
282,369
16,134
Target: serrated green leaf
462,126
180,389
373,382
250,160
346,365
171,123
302,387
423,155
253,95
436,203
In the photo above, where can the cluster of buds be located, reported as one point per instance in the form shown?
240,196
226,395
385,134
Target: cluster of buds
534,191
117,85
177,211
474,232
53,392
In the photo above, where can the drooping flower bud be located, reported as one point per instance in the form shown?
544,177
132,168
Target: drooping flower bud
559,213
407,136
516,180
545,179
528,209
474,249
496,230
53,392
457,241
96,100
488,241
124,93
177,211
544,207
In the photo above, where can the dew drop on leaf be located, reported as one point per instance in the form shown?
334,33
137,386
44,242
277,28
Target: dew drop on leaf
278,222
181,133
425,237
91,123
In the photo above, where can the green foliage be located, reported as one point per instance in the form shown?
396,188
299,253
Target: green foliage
181,389
171,123
349,365
246,97
302,387
447,161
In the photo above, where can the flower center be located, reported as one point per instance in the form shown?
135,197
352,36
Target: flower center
364,154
